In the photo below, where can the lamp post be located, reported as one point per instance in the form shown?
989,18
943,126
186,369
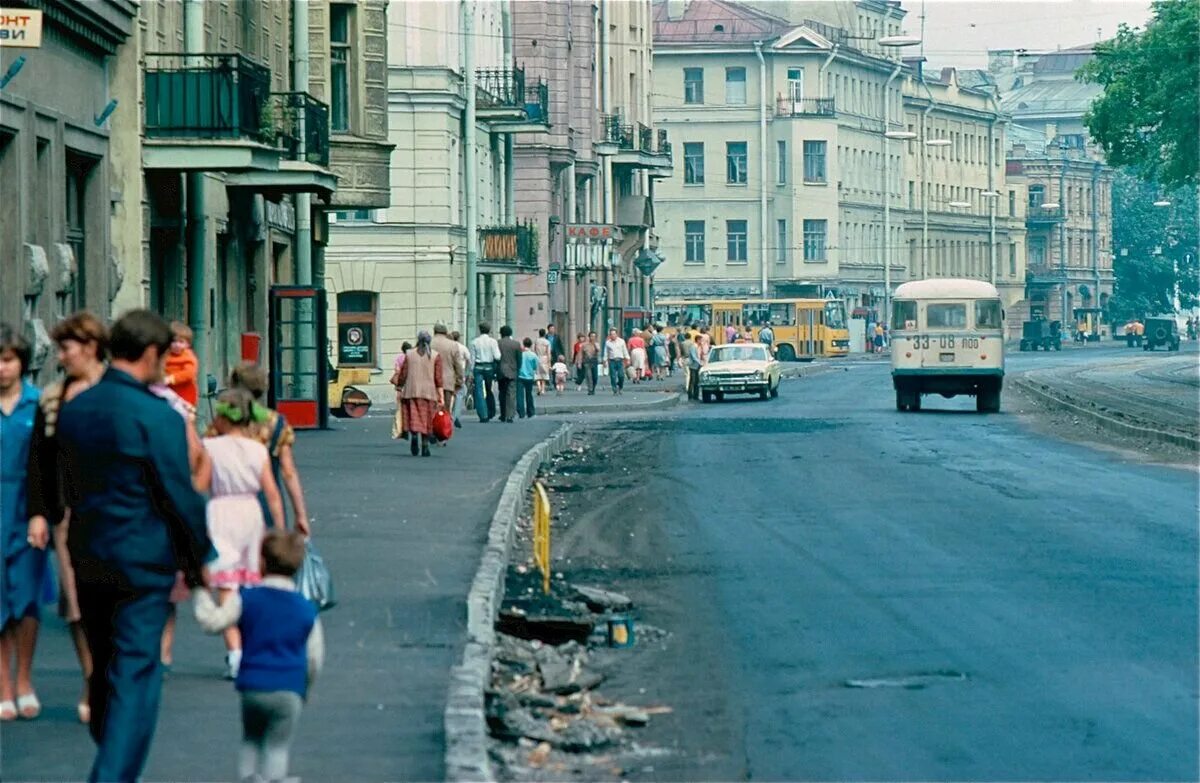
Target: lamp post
991,196
891,42
925,199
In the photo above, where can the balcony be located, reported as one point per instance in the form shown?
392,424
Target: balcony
508,103
635,145
509,249
296,117
1044,216
787,106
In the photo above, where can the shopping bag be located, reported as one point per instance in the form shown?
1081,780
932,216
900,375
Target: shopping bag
442,426
313,579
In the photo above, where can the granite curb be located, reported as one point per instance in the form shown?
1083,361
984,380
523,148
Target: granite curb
465,724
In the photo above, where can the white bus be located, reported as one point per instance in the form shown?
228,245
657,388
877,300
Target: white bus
947,339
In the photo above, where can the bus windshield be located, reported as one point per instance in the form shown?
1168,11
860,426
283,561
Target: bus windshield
835,315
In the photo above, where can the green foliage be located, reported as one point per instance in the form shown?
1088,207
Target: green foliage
1148,115
1148,242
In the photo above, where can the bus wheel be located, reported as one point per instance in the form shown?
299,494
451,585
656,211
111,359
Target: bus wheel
706,396
786,353
988,400
901,400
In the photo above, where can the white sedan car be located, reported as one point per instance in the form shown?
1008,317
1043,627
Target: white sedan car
740,368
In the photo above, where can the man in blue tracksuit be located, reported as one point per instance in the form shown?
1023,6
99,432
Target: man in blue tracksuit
136,520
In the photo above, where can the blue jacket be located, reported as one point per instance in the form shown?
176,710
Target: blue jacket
135,514
16,431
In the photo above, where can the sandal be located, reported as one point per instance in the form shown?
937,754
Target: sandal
84,711
8,710
29,706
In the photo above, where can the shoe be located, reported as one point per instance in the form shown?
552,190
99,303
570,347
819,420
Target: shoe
425,450
28,706
233,663
457,424
84,711
414,446
8,710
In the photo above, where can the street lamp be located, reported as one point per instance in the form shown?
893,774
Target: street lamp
898,41
1051,205
900,135
990,194
937,142
959,204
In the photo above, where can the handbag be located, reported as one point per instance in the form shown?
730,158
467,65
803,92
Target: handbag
395,381
313,580
442,425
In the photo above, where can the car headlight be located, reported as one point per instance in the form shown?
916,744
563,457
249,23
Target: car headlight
758,375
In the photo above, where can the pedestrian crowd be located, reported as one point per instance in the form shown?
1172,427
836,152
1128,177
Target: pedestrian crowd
104,474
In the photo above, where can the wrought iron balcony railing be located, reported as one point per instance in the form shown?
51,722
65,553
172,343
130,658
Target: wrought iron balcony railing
205,96
513,246
297,115
1044,214
664,146
634,136
787,106
508,88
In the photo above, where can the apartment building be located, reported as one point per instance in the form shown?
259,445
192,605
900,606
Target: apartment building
778,128
57,184
963,215
1069,202
394,271
589,178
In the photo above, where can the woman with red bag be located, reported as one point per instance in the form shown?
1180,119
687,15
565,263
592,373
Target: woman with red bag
421,395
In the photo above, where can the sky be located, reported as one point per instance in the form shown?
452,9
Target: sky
959,32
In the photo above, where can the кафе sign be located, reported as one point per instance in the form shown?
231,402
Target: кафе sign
592,246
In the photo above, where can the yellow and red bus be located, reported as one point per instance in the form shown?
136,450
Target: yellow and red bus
803,328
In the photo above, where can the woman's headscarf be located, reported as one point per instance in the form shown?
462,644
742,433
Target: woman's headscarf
423,340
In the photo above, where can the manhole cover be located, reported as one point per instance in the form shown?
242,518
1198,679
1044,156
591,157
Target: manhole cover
912,682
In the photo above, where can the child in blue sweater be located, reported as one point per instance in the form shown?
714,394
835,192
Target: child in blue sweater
282,652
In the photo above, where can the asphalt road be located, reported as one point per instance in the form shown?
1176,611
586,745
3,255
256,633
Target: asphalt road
859,594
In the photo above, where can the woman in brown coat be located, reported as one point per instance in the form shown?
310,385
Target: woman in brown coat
421,392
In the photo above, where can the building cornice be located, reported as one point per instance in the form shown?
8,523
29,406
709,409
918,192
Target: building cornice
101,24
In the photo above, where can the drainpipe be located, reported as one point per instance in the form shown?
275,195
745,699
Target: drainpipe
762,165
992,199
925,179
1096,233
1062,234
197,232
567,277
300,56
821,71
469,195
510,219
885,172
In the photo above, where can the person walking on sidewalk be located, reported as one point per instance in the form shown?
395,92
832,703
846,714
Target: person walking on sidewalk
510,365
577,361
637,356
421,381
452,364
526,377
659,354
181,365
23,560
766,336
398,431
556,344
485,358
460,399
139,521
691,365
545,356
616,353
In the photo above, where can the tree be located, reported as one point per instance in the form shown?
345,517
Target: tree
1148,115
1149,243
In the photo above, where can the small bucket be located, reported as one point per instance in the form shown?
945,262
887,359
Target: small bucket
620,631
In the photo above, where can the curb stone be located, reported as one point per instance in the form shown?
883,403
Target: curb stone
666,401
1046,395
466,756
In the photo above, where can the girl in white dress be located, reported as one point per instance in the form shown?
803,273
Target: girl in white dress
241,467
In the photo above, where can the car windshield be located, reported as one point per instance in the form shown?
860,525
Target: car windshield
738,353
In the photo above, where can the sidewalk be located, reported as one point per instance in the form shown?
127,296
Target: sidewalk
403,537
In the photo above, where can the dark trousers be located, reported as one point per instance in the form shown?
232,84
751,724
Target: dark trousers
693,383
525,398
124,630
508,398
485,394
616,374
592,370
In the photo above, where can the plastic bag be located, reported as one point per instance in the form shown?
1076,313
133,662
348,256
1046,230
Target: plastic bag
442,426
313,579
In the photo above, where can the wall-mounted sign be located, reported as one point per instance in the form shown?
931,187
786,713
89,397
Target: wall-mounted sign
354,343
551,276
594,232
20,27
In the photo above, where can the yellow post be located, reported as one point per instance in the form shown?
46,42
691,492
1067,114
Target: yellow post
541,533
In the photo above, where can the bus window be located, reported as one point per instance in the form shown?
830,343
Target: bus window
904,315
699,313
946,315
988,314
783,314
756,314
835,314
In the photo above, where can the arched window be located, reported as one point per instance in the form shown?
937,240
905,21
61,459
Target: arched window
357,312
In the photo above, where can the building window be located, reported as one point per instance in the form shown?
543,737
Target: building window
693,85
814,161
781,241
78,170
1037,196
339,65
737,241
911,188
814,240
782,160
736,161
356,328
1012,260
1012,203
353,216
735,86
693,163
795,77
693,241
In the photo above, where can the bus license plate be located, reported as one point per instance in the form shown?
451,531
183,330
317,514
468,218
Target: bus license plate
945,357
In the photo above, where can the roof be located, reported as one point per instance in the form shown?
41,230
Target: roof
976,79
716,21
1056,97
1032,139
946,288
1066,61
